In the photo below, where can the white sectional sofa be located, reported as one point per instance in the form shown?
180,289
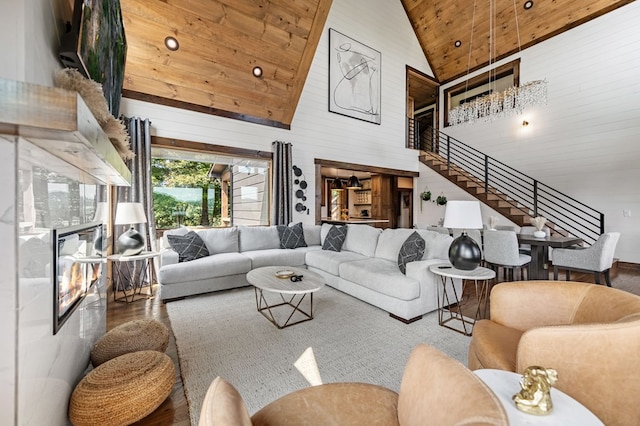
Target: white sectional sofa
366,267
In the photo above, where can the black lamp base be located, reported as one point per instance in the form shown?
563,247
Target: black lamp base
464,253
130,243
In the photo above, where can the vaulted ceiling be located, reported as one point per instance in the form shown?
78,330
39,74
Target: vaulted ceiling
221,41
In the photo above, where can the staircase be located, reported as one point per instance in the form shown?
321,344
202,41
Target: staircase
511,193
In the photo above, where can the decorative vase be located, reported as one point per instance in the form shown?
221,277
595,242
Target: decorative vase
539,234
130,243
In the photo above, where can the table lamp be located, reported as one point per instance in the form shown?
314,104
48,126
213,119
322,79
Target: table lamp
464,252
130,243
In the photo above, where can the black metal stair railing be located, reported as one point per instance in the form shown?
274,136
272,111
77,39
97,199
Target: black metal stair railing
520,190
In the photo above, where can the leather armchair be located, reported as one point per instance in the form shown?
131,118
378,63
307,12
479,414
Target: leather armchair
590,334
435,390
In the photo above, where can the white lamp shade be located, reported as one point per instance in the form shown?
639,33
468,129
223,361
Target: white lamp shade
463,215
130,213
102,211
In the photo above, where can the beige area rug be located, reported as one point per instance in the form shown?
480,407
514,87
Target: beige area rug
222,334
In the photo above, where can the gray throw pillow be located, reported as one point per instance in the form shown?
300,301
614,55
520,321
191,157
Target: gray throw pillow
335,238
291,236
189,247
412,249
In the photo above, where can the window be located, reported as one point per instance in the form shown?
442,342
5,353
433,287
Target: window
205,189
497,80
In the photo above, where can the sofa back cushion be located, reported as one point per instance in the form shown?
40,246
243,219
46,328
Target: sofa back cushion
436,244
362,239
311,234
390,241
220,240
258,238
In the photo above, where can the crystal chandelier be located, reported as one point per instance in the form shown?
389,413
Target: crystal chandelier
512,100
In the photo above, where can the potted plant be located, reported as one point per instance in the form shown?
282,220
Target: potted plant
441,200
424,196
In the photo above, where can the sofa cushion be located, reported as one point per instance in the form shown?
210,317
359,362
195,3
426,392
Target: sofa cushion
182,230
189,247
291,236
220,265
258,238
436,244
329,261
312,234
220,240
335,238
362,239
390,241
324,230
382,276
412,249
275,257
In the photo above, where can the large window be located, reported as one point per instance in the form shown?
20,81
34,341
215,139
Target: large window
205,189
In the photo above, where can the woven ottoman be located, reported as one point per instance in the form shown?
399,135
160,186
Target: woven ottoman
132,336
123,390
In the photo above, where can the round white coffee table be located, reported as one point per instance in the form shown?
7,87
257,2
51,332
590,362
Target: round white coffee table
265,280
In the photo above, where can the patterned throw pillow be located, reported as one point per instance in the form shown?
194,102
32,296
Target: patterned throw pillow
291,236
412,249
189,247
335,238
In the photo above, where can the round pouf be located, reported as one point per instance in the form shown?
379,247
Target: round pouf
132,336
123,390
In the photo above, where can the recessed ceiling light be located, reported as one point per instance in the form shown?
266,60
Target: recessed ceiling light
257,72
171,43
528,4
457,43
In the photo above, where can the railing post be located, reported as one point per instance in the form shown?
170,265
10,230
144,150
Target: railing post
486,175
601,223
535,198
448,152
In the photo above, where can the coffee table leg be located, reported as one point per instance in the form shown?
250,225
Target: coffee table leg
264,308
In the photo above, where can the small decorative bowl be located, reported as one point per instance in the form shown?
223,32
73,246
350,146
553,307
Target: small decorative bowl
285,274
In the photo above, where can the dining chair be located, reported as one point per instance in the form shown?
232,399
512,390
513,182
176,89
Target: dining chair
598,258
501,250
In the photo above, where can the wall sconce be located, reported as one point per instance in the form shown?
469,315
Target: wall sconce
257,72
525,123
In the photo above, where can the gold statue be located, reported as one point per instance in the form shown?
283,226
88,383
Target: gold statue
535,396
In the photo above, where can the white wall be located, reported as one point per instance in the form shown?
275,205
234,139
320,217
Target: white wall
316,132
584,142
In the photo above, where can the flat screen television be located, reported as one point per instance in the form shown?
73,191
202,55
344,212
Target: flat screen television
96,45
77,265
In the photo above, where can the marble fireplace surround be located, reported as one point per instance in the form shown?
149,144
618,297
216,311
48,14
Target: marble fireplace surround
51,129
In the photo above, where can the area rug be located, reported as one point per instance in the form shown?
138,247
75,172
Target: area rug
222,334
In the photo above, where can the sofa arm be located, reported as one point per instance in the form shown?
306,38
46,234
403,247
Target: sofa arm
419,271
529,304
168,257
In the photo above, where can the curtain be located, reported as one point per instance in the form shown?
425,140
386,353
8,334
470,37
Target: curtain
282,183
141,190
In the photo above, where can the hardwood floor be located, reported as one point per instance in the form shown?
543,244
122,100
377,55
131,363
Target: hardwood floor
175,411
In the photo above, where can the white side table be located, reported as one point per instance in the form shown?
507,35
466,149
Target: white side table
132,273
451,303
566,410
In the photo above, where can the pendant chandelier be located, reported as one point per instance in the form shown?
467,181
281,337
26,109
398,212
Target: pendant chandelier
494,105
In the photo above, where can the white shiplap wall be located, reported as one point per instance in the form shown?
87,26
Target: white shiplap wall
316,132
586,141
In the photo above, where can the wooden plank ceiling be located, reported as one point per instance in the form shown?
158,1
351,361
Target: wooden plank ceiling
484,25
222,40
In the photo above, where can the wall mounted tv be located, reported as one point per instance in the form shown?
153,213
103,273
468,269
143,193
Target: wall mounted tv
95,44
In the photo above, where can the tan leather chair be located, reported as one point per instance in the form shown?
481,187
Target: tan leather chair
589,333
435,390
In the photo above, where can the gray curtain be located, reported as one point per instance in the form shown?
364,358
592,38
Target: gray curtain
282,183
141,190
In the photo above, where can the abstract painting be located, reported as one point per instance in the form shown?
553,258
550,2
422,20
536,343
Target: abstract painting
354,78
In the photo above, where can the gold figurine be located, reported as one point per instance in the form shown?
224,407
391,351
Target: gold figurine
535,396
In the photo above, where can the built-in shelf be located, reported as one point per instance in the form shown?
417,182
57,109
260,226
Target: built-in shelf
59,122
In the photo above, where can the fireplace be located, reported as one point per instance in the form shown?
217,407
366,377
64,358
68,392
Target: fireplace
77,265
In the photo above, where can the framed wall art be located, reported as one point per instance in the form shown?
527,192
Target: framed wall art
354,78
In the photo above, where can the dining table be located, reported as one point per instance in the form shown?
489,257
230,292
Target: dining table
539,248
